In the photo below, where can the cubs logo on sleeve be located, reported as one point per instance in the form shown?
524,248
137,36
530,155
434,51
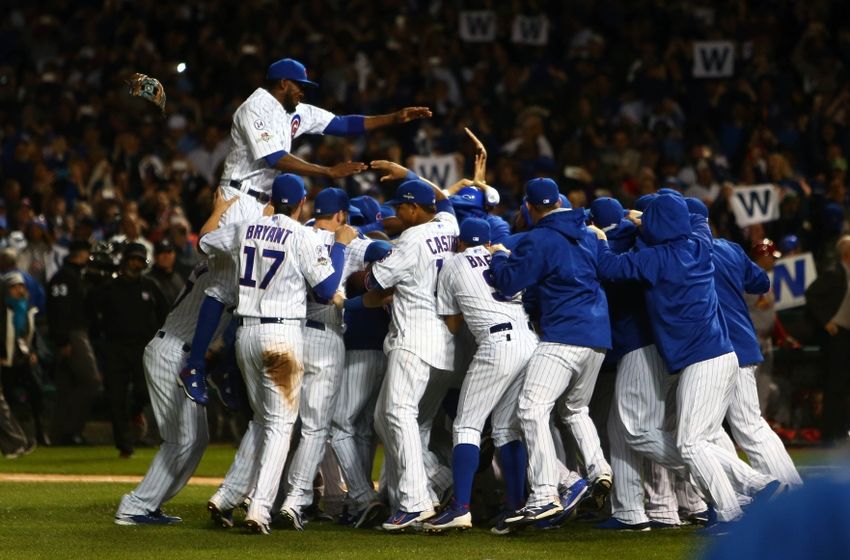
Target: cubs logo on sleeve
294,124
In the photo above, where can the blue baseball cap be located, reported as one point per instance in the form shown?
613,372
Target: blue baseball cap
696,206
387,210
474,231
468,197
377,250
789,243
288,189
289,69
330,201
565,202
541,192
672,192
414,191
643,202
369,208
606,212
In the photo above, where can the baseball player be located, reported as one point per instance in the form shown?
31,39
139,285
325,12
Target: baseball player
735,274
276,255
559,256
419,346
181,422
506,340
638,406
691,337
352,427
324,358
263,130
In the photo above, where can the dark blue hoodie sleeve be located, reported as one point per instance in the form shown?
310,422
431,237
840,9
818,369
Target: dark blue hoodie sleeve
523,268
327,287
633,265
756,280
700,230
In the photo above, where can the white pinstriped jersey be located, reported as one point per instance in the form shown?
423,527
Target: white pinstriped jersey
275,256
355,251
183,317
412,269
465,286
261,126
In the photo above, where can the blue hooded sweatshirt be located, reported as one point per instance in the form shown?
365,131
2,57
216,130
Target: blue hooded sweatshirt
630,327
681,300
559,256
734,274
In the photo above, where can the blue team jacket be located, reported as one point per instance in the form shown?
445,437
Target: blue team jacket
630,327
559,256
676,264
734,274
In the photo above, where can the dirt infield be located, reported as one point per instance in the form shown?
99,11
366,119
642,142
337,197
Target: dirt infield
36,477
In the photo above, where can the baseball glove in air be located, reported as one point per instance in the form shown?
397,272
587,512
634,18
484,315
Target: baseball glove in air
148,88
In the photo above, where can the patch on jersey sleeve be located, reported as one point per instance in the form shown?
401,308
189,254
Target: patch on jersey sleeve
259,124
265,136
322,255
294,124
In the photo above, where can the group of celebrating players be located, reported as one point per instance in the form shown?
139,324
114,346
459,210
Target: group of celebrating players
356,331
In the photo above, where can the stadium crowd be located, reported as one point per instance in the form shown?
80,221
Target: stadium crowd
609,107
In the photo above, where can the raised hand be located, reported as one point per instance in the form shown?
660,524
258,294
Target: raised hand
411,114
392,171
346,169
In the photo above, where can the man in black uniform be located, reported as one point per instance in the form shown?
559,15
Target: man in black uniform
167,279
828,302
76,374
129,309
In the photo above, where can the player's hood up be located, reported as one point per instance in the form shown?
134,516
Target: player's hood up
622,237
666,219
568,223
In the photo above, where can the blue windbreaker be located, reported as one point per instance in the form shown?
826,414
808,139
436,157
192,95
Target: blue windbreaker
559,255
681,300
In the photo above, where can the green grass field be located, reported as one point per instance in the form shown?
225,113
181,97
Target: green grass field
69,520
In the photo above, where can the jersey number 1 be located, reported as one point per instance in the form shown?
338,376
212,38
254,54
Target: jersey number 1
247,278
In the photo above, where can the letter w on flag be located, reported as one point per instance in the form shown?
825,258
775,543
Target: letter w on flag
755,204
714,59
477,26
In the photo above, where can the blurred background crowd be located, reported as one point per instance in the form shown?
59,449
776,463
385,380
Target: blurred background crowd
608,107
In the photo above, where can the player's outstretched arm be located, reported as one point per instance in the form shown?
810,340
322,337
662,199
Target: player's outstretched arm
399,117
220,206
395,172
293,164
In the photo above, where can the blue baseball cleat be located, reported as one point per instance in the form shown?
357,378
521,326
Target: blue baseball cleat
656,524
614,524
452,518
194,385
569,501
221,517
530,514
403,519
370,516
156,517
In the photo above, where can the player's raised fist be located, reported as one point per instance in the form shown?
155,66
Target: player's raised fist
411,114
345,234
346,168
392,171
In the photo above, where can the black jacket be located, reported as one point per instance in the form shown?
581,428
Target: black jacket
825,295
66,303
128,310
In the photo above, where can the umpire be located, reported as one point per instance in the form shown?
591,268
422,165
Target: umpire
128,309
76,370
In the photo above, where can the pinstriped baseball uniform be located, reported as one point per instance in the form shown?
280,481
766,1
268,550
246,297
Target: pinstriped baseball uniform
734,274
182,423
276,255
261,127
352,433
418,342
324,359
505,344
